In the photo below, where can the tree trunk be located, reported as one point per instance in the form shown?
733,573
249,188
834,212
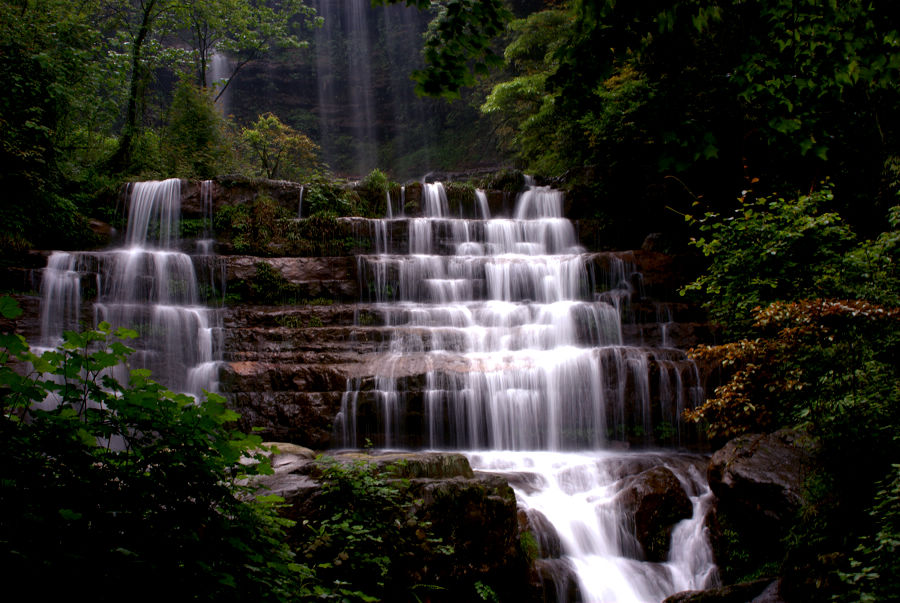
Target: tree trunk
123,155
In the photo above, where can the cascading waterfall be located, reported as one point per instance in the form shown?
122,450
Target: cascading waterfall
498,342
149,285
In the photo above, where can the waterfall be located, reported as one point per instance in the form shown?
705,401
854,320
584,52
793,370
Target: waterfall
220,68
367,112
504,338
344,80
148,285
300,205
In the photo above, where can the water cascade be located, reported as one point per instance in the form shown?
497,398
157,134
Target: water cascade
364,100
220,69
347,23
505,339
149,285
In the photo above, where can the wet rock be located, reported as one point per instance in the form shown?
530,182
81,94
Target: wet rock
556,581
545,536
751,592
760,478
310,277
656,501
285,449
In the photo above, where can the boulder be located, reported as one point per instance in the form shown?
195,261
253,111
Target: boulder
759,591
656,501
760,478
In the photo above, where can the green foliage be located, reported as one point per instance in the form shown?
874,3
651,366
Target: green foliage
372,194
458,43
370,546
486,593
269,287
509,181
279,150
195,144
243,29
817,360
766,250
711,93
254,228
875,563
528,544
47,49
825,365
523,107
108,487
326,198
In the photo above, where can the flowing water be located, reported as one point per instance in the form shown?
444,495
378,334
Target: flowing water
506,341
149,284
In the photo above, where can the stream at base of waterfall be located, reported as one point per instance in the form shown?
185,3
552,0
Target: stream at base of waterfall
510,346
576,494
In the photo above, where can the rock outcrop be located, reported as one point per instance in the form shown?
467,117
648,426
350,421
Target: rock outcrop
656,501
759,478
473,515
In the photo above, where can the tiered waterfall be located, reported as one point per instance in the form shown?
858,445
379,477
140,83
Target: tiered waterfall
507,342
149,284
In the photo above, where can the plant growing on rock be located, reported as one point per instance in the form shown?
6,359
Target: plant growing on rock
370,547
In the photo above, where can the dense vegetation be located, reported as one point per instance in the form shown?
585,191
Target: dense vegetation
771,126
111,487
664,104
104,91
813,323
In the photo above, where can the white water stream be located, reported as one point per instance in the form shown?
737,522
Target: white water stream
149,285
504,337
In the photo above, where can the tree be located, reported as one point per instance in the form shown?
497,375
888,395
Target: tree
458,43
280,150
247,27
195,141
698,97
246,30
48,53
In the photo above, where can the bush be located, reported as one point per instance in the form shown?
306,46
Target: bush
115,488
371,545
769,249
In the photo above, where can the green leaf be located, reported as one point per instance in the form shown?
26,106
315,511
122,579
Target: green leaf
9,308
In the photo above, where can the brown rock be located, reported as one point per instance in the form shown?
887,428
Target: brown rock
656,501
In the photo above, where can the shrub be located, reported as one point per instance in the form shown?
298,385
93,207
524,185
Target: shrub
769,249
114,488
